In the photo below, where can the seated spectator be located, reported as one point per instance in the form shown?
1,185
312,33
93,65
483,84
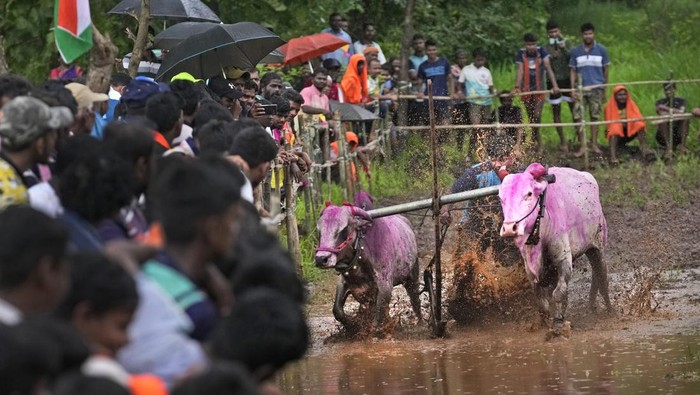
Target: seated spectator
621,107
354,83
33,272
672,104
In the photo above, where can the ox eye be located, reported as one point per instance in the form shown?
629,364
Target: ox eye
529,194
343,234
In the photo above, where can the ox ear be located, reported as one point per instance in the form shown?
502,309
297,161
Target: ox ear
360,217
537,170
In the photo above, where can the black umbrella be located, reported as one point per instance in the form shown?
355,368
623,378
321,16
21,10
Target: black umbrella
352,112
176,34
273,57
205,54
183,10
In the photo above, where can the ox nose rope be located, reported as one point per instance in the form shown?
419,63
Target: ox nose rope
344,267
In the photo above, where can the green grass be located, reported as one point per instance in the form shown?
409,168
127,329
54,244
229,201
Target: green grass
633,57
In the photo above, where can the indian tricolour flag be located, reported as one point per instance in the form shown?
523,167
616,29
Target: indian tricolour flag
73,28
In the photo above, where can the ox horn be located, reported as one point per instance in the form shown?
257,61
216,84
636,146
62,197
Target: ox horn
358,212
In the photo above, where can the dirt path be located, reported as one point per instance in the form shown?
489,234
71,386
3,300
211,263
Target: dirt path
654,264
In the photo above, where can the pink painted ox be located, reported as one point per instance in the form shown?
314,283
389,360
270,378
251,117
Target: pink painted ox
555,217
371,256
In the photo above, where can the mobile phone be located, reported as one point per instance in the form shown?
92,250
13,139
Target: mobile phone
270,109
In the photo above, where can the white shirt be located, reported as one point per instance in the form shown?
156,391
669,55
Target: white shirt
43,197
9,314
360,49
477,82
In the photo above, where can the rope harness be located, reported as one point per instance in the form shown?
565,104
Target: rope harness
534,237
345,267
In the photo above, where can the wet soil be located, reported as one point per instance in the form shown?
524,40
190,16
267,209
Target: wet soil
654,271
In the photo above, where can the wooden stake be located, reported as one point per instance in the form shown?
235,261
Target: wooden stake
439,325
141,37
293,245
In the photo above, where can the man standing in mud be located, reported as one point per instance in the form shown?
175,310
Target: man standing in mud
589,62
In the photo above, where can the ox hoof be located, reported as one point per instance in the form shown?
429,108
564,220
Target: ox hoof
559,330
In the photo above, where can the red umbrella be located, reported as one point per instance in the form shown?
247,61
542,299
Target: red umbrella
305,48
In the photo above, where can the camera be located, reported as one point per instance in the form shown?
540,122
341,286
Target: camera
270,109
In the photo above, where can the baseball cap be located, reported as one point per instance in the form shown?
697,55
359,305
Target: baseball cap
25,119
84,95
234,73
184,76
224,88
137,92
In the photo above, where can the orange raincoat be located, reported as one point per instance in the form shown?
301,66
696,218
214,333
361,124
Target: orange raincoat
354,84
612,113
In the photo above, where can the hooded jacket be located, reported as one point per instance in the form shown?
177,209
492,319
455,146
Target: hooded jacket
612,113
354,84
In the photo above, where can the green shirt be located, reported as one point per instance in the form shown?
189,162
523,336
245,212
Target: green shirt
559,59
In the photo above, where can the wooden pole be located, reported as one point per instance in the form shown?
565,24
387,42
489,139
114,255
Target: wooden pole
293,245
141,37
342,169
101,62
439,325
582,134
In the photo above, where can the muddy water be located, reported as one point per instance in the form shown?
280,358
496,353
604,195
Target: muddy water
503,363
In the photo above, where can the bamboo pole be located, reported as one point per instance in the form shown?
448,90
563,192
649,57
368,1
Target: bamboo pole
439,325
582,134
428,203
293,245
342,169
651,118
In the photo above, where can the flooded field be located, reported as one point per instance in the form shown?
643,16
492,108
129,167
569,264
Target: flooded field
506,363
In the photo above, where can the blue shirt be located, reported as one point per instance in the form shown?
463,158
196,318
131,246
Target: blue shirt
341,54
589,65
438,71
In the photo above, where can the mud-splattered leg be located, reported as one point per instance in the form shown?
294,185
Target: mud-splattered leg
341,295
599,278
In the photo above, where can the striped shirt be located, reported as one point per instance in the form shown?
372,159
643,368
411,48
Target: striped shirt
589,64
